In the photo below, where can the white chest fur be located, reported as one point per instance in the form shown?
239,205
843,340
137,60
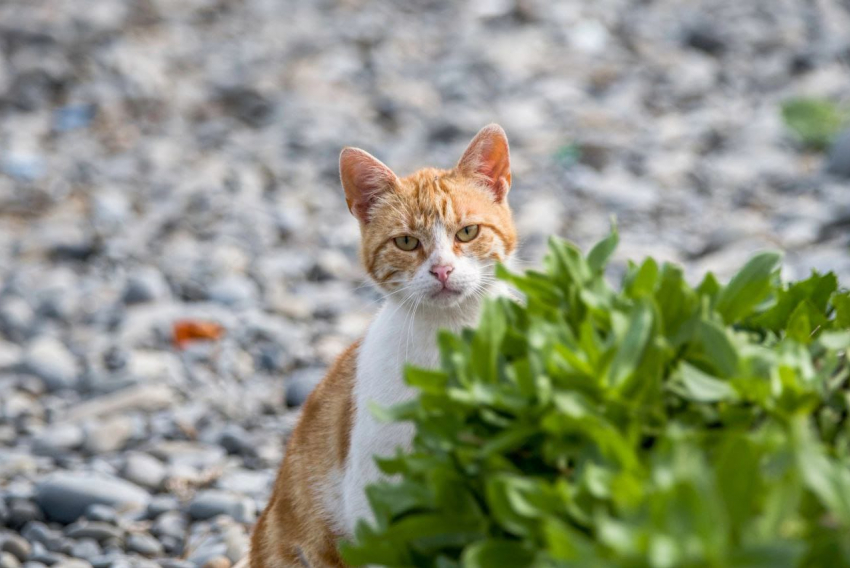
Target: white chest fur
395,337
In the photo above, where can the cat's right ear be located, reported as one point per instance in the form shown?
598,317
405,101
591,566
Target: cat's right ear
364,178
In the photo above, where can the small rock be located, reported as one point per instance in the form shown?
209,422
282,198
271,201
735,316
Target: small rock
236,440
23,512
109,435
300,384
86,548
48,359
96,530
838,162
73,563
171,524
44,556
101,513
162,504
58,440
145,285
8,560
144,469
15,545
192,454
234,291
209,504
23,167
65,496
176,563
217,562
144,544
705,37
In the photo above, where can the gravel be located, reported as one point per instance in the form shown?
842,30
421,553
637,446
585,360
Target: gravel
167,164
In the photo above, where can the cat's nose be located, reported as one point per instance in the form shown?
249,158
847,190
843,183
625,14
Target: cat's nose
441,272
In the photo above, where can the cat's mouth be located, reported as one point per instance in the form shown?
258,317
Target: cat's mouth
446,292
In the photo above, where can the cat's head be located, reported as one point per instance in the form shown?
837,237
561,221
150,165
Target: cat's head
434,237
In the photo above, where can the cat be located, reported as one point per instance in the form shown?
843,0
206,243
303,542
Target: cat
430,241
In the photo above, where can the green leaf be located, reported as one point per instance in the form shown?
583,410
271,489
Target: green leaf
628,354
695,385
748,287
598,257
490,553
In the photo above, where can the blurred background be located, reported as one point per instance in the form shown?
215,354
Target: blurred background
177,264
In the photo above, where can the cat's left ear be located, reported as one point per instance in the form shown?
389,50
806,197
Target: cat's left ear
488,158
364,178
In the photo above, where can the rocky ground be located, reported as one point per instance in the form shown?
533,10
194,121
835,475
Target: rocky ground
164,161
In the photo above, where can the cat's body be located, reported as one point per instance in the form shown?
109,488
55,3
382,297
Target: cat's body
416,246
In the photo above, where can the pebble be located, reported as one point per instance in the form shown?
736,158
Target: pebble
58,440
65,496
108,435
300,384
101,513
99,531
15,545
211,503
145,285
144,544
48,359
8,560
217,562
144,470
838,162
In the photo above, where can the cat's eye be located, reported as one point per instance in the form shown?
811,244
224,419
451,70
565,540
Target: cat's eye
467,233
406,242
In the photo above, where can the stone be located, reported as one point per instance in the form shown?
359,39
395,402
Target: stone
234,291
99,531
145,285
65,496
300,384
217,562
48,359
171,524
101,513
86,549
15,545
211,503
196,455
58,440
23,512
144,544
8,560
144,469
236,440
160,504
838,162
108,435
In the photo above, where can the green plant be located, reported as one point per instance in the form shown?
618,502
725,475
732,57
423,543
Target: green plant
816,122
658,425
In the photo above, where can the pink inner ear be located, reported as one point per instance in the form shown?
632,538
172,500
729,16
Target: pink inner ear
488,157
364,179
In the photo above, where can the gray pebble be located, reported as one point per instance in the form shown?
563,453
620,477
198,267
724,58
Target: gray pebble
9,560
48,359
95,530
145,285
65,496
234,291
22,512
15,545
211,503
58,440
838,162
162,504
102,513
171,524
144,544
144,469
300,384
86,548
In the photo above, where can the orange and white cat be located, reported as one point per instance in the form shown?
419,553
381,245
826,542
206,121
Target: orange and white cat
431,242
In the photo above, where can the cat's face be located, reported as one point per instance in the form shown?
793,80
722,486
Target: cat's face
433,238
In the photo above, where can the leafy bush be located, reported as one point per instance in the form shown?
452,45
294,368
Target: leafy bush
660,425
816,122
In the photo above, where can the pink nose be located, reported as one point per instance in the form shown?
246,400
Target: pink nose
441,272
